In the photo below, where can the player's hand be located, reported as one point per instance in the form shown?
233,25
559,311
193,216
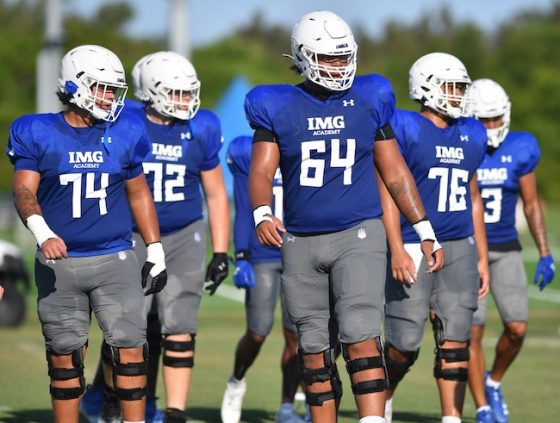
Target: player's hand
54,249
155,268
484,273
434,254
244,275
545,271
216,272
403,267
268,231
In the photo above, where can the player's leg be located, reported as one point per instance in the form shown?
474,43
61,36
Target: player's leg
406,312
454,301
306,294
117,300
154,338
178,306
65,334
509,287
357,284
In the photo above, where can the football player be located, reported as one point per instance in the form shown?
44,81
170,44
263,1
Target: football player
325,134
443,149
78,182
506,173
257,269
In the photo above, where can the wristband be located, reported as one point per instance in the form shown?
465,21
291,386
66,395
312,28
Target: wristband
155,253
242,255
260,214
39,228
424,230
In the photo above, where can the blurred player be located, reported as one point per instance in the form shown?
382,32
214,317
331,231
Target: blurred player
258,270
325,134
78,183
443,149
506,172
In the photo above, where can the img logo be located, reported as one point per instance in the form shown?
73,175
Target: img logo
449,154
322,123
85,159
167,152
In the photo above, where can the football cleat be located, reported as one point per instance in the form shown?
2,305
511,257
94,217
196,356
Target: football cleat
111,410
153,414
91,403
485,416
496,401
233,400
287,414
174,415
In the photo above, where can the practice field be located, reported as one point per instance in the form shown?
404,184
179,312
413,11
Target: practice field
531,387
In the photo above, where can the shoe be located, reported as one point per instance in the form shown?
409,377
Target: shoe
174,415
485,416
496,402
287,414
91,403
233,400
153,414
389,410
111,410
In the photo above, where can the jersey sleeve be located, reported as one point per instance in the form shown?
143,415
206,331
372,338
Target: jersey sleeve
239,159
529,154
21,150
255,108
397,125
213,140
140,149
383,98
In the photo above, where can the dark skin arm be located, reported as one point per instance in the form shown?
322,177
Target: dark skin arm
480,238
401,186
24,188
533,212
264,162
143,209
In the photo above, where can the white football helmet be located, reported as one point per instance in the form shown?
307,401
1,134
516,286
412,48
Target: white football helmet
136,83
324,33
169,81
94,78
489,100
434,80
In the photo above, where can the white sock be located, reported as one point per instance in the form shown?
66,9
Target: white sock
492,383
483,408
372,419
450,419
234,381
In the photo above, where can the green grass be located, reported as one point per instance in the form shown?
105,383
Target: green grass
531,387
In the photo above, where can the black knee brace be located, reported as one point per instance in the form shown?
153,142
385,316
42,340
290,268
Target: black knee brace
57,373
396,370
178,346
327,373
366,363
450,355
129,369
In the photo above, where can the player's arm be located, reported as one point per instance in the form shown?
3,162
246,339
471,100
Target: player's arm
218,208
24,187
401,186
402,265
144,213
480,237
265,158
535,219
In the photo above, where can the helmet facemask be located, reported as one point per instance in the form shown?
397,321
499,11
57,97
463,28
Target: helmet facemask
179,103
335,78
103,100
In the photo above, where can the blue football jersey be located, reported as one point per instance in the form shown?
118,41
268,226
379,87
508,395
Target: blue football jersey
83,172
244,236
179,152
133,104
326,150
442,161
498,181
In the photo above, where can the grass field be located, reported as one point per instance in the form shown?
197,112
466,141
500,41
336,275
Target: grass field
532,387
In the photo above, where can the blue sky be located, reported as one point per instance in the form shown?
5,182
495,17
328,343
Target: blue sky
210,20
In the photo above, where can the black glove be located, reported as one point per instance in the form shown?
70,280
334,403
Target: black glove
154,267
216,272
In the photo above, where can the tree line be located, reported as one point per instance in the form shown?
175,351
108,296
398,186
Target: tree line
522,55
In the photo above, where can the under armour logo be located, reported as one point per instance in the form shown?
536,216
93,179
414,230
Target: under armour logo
362,233
347,103
506,159
185,135
291,239
464,138
106,138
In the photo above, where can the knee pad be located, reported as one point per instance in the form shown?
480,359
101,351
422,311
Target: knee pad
327,373
366,363
450,355
129,369
57,373
178,346
395,369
